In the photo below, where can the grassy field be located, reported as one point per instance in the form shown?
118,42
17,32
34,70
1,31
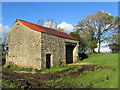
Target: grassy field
104,75
10,84
101,78
109,59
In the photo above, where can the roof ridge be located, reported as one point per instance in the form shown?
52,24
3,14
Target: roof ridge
46,29
27,22
40,25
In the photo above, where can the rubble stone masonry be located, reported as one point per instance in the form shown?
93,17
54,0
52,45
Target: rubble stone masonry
28,48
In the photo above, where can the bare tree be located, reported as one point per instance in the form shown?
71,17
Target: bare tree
3,39
95,27
50,23
41,22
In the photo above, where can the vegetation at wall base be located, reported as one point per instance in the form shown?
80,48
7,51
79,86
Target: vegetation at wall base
15,68
56,68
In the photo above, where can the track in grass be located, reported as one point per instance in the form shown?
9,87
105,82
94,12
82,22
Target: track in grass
39,80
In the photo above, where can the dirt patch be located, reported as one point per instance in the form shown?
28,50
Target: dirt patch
21,71
81,64
90,67
30,80
37,80
81,71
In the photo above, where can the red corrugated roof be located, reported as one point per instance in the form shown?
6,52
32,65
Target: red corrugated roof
46,30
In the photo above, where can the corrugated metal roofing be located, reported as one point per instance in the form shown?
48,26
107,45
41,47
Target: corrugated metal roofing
46,30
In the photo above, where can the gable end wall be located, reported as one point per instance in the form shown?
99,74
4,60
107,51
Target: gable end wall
24,46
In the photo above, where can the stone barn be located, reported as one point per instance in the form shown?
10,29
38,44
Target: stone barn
34,46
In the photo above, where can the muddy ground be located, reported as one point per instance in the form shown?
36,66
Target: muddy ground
38,80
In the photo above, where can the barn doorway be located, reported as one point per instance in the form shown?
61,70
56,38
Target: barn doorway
69,53
48,61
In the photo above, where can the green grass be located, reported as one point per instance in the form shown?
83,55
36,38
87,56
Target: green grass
56,68
108,59
15,68
94,79
100,78
10,84
97,79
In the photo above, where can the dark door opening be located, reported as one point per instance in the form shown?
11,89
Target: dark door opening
48,60
69,54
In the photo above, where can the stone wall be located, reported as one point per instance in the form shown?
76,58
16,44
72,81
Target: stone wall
28,48
56,46
24,46
52,45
